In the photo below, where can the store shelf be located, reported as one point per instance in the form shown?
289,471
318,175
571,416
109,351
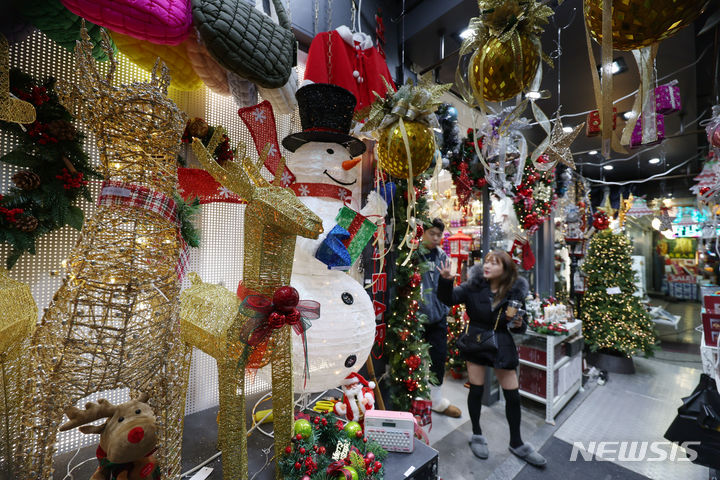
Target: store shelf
558,402
539,366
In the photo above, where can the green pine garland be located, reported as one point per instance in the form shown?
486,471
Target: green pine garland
408,353
618,323
56,170
455,362
535,196
327,433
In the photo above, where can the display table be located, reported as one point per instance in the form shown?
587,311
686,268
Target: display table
562,373
200,444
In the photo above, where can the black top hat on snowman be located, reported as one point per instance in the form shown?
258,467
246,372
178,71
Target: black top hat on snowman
326,116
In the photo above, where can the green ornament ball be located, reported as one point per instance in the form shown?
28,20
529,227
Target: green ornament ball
352,428
353,472
303,428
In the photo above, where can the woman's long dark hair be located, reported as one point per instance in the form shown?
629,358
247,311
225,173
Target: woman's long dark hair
508,277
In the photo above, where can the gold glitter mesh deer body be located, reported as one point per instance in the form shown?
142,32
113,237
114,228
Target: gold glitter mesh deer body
210,318
114,321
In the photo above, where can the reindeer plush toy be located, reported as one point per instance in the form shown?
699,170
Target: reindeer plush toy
127,439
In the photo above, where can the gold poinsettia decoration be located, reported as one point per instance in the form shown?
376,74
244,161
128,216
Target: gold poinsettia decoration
502,19
413,102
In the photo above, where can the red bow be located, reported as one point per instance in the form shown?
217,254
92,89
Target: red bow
265,316
339,468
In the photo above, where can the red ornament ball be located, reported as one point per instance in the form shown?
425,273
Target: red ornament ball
286,298
306,477
359,434
298,437
288,449
365,440
316,420
370,457
302,450
369,471
298,466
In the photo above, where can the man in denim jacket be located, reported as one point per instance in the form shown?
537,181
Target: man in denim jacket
436,312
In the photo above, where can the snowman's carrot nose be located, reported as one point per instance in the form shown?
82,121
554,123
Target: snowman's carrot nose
349,164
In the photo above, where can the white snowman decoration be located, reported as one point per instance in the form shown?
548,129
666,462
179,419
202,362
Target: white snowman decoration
327,177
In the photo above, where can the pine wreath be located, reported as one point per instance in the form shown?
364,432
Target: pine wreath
534,197
56,170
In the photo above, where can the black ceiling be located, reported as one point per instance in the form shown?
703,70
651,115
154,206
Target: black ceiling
427,22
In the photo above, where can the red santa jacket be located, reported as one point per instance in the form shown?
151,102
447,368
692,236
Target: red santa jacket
355,64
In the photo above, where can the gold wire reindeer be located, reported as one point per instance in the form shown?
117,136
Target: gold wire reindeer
114,321
210,317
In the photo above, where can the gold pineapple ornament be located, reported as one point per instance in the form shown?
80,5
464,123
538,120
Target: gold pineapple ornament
393,155
495,72
639,23
504,41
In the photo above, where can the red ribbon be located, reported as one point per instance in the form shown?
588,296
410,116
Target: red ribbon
338,467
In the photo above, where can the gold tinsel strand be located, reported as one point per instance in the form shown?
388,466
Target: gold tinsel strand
114,321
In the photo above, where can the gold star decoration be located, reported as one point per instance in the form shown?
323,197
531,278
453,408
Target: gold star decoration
559,148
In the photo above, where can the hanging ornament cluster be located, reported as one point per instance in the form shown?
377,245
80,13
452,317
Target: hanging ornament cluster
467,172
631,26
505,44
534,197
600,221
324,447
55,171
403,123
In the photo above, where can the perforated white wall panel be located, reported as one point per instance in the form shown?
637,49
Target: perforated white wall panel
220,257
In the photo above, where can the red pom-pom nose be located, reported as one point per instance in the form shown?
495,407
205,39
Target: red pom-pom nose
286,298
136,435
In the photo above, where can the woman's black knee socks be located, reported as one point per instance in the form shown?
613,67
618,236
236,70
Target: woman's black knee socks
474,406
512,412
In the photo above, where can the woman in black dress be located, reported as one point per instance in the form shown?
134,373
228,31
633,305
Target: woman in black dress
486,298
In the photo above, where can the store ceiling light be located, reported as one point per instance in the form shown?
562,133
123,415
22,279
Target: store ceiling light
617,66
627,115
593,152
654,161
533,95
608,167
567,129
466,33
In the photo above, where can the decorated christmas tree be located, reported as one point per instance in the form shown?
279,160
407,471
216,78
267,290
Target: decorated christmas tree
614,321
455,362
408,353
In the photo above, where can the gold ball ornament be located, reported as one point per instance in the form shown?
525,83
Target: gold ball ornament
502,78
639,23
392,154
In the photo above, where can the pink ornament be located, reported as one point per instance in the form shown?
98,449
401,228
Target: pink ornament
667,98
714,136
636,138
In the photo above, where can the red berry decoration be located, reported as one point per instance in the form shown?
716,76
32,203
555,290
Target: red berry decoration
298,466
286,298
359,434
298,437
370,457
316,420
302,450
322,450
324,422
365,440
288,449
369,471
